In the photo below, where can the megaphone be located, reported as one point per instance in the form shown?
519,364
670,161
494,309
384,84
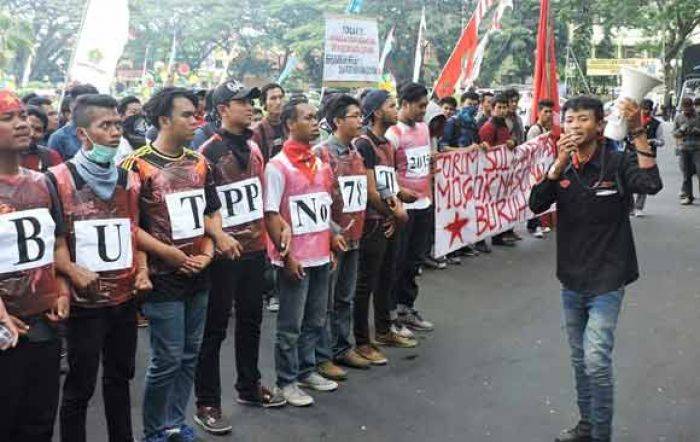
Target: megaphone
635,85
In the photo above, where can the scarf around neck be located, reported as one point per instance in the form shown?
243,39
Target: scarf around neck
101,178
302,157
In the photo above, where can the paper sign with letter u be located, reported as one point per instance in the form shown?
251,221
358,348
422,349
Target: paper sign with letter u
310,213
103,244
354,191
26,240
186,210
241,202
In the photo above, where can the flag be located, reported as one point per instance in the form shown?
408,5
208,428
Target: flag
288,68
418,59
354,7
103,34
545,85
388,47
473,70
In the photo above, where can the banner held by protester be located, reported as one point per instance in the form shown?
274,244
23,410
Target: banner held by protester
480,194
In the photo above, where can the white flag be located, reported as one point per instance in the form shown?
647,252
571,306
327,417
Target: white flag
388,47
418,60
104,32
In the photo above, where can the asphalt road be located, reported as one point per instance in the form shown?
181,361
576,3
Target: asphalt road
496,368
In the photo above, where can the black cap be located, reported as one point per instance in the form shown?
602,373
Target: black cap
233,90
373,100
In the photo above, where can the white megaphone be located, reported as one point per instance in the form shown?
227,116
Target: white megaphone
635,85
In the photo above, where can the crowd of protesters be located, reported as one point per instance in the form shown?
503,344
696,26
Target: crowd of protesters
197,204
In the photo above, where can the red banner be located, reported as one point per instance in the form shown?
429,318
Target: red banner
545,85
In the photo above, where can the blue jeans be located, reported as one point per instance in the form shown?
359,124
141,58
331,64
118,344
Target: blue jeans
590,321
300,322
176,329
336,337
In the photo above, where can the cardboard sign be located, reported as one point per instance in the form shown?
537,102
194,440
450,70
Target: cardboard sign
26,240
186,210
104,244
241,202
480,194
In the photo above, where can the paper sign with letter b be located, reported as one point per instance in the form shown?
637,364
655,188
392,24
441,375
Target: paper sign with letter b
26,240
186,210
310,213
103,244
354,191
241,202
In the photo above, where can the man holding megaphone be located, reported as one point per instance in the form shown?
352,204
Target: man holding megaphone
592,185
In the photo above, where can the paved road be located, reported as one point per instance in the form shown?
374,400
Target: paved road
496,368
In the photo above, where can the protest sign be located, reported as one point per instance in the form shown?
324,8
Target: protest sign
351,54
480,194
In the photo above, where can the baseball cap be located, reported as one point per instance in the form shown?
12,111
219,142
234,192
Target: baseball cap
233,90
373,100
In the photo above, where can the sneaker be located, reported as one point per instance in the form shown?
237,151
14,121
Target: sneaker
512,234
538,233
400,329
580,433
392,339
263,397
188,434
482,247
685,201
372,354
415,321
141,320
296,396
315,381
454,260
329,370
353,359
639,213
212,421
433,263
546,230
469,251
273,305
157,437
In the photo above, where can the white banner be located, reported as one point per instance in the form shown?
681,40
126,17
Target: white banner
480,194
351,50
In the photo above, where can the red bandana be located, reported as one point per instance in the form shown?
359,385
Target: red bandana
9,102
302,157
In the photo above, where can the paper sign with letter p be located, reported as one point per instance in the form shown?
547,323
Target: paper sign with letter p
26,240
310,213
241,202
186,210
103,244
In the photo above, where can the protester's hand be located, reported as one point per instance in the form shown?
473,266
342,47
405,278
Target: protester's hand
566,146
484,146
401,216
142,282
195,264
8,322
338,244
21,326
631,112
510,144
228,246
60,310
285,240
293,268
389,228
334,262
407,196
84,279
174,257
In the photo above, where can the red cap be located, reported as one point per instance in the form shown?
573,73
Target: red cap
9,102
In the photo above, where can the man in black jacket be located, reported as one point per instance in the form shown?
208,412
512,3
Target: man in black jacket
592,186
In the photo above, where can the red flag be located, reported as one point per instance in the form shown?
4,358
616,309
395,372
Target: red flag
463,52
545,85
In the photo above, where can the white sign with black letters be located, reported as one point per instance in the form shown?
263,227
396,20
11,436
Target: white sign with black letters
310,213
241,202
386,180
103,244
186,210
418,162
354,191
26,240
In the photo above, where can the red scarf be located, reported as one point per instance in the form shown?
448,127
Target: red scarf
645,120
302,157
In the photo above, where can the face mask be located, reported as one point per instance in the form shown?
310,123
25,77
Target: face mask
136,124
101,153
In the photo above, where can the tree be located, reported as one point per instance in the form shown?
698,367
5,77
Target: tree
15,36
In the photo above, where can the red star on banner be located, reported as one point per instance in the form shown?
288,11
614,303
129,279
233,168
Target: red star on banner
455,228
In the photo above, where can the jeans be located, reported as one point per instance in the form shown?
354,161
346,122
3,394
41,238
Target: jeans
377,269
336,339
239,283
590,321
29,390
176,329
413,244
300,321
690,165
107,333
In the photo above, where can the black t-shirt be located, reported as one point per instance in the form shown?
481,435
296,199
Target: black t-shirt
367,150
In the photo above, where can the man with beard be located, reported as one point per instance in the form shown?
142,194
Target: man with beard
38,157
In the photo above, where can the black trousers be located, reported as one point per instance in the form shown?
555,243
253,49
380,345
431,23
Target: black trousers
413,246
239,284
107,334
29,382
